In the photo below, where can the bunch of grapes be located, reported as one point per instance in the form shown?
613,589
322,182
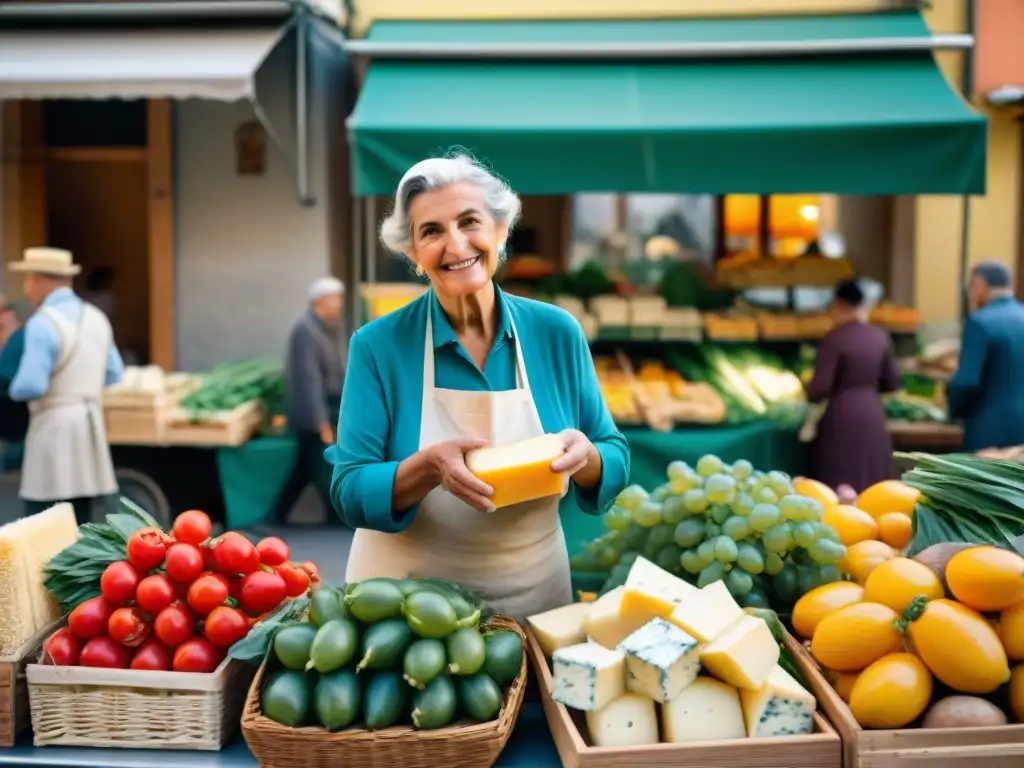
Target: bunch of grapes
719,522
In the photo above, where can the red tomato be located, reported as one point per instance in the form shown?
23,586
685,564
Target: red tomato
197,655
62,648
273,550
207,592
174,625
155,593
184,562
104,652
128,626
312,569
153,655
118,582
225,626
90,619
235,554
147,548
296,580
261,592
192,527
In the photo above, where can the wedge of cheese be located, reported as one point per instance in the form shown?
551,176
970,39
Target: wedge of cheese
629,721
706,710
604,622
744,655
651,593
26,546
782,707
707,613
661,660
519,471
561,627
587,676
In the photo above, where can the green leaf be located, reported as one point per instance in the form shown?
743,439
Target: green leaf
129,507
125,524
253,648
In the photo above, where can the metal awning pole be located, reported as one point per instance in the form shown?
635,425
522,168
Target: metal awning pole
178,9
356,300
302,113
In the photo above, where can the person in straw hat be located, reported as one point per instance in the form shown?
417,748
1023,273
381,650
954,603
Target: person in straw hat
69,358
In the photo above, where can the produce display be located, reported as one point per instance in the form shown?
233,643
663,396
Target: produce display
658,660
230,385
139,598
653,394
148,381
387,652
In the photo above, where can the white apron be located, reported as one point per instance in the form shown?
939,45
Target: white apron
515,557
66,451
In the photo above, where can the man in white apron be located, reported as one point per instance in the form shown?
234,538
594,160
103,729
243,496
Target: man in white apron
69,358
516,556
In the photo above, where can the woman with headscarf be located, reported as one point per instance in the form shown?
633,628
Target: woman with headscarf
463,366
855,365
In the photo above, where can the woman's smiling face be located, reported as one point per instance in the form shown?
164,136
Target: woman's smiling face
455,239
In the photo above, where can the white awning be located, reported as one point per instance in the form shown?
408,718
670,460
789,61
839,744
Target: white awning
133,64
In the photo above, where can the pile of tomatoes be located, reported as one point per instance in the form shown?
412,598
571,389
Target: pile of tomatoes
179,601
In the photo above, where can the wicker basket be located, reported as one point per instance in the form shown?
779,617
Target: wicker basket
475,745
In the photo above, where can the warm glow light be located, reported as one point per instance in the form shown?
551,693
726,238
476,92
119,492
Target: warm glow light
810,212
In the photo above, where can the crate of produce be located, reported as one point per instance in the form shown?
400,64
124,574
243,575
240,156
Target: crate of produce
149,388
135,426
395,707
14,707
213,428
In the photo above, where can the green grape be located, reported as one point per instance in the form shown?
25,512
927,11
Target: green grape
630,497
778,538
661,535
628,558
674,511
711,573
749,558
617,519
813,510
792,507
738,583
736,528
668,558
803,535
742,504
709,465
647,514
785,585
773,564
726,550
696,501
827,532
719,513
826,552
691,562
742,469
779,482
678,470
720,489
829,574
807,578
634,538
609,556
689,533
765,495
712,529
661,493
754,599
706,552
764,516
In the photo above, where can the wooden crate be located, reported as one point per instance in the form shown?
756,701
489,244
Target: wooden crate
176,386
1001,747
14,708
135,426
818,750
222,428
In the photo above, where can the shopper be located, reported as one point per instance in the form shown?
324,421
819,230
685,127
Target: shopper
313,378
13,416
463,366
69,357
855,364
986,389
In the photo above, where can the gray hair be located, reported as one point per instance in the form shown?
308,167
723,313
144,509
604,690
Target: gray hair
435,173
995,274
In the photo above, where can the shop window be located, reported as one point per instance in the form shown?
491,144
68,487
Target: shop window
88,123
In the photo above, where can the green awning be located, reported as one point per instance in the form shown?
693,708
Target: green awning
860,125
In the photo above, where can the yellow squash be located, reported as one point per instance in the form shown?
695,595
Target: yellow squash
856,636
897,582
958,645
895,529
891,693
853,525
1017,693
1011,632
812,489
843,683
821,602
888,496
986,578
862,558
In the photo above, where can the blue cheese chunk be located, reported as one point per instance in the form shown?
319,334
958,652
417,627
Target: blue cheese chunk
782,707
587,676
661,660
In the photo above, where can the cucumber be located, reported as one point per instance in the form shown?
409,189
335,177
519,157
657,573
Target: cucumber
384,643
292,645
385,700
285,698
430,614
375,600
337,699
435,706
504,656
480,697
334,646
326,604
424,660
466,651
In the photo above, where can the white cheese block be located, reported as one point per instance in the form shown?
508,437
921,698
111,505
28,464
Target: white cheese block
604,621
707,613
782,707
587,676
744,655
561,627
651,593
629,721
707,710
661,660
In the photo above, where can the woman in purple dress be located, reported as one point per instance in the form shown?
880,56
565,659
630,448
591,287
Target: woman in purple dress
855,365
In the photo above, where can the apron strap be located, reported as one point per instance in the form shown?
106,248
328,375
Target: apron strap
428,366
523,379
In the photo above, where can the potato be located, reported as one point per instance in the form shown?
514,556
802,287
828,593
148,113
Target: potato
937,556
963,712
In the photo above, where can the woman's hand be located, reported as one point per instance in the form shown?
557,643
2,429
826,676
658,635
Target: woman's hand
581,461
449,462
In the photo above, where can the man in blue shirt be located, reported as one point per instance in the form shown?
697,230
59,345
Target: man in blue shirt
13,416
69,358
986,390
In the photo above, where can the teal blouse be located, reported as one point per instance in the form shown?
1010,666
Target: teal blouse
379,425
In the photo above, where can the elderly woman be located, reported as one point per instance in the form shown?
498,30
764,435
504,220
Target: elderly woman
465,366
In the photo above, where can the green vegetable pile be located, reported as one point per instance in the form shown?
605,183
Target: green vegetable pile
385,652
967,499
229,385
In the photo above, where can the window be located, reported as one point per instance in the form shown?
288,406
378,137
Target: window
72,123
